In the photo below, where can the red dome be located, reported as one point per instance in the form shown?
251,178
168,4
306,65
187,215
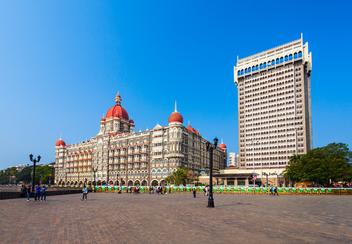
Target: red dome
222,146
60,143
175,117
117,111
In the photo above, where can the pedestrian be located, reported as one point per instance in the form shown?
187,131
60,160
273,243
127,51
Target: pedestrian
194,192
43,193
275,191
37,192
28,192
84,193
206,190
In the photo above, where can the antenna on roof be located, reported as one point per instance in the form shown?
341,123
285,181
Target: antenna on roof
175,106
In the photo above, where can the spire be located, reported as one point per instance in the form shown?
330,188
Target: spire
118,98
222,141
175,106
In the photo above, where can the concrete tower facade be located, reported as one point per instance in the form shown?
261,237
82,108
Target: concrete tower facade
274,106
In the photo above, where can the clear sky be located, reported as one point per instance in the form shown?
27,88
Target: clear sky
62,62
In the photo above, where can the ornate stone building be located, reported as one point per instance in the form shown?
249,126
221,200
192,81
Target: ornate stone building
119,155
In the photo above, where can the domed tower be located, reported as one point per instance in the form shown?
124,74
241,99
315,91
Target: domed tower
223,147
116,119
60,147
175,137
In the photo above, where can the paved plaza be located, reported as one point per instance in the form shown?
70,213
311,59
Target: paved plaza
177,218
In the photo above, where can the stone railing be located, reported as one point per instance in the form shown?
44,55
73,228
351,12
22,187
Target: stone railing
237,190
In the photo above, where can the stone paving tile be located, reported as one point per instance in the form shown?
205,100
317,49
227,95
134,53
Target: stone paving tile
177,218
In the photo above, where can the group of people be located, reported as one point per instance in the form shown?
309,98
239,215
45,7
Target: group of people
158,190
273,191
39,192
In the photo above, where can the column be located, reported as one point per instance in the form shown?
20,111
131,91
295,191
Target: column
236,182
225,181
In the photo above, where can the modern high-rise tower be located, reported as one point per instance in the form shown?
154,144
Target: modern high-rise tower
274,106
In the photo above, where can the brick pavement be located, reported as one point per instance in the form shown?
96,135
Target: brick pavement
177,218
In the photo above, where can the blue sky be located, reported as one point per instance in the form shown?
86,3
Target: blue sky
62,62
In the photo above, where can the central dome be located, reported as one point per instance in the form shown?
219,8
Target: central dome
117,111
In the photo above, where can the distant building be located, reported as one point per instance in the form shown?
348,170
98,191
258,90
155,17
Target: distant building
232,159
274,107
118,155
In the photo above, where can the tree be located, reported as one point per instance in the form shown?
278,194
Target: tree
179,177
322,165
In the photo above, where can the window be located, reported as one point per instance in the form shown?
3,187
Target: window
286,58
290,57
264,65
295,55
300,54
281,60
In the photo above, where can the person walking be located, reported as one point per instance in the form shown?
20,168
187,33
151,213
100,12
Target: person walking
84,193
275,191
28,192
43,193
37,192
194,192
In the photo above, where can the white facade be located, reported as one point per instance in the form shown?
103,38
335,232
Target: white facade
119,155
232,159
274,107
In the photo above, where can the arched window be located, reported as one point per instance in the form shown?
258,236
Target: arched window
261,66
295,55
300,54
253,68
290,57
277,61
273,62
256,67
242,72
245,71
239,72
281,60
264,65
286,58
249,69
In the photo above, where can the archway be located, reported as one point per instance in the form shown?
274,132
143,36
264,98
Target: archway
104,183
111,182
155,183
130,183
117,183
137,183
144,183
123,183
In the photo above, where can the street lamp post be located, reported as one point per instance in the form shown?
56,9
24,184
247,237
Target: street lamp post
35,161
210,149
94,169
